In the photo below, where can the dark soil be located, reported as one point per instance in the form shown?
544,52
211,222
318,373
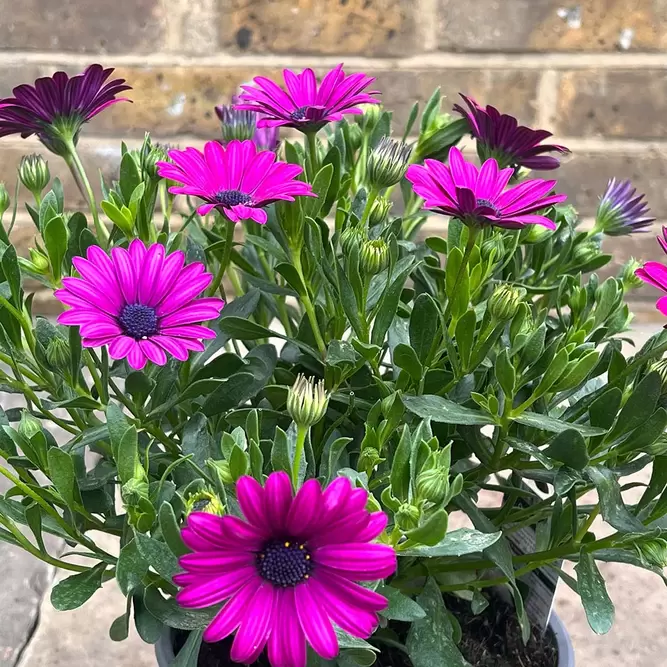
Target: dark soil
490,639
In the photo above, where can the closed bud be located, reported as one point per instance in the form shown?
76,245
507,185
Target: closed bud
536,233
352,237
628,275
223,470
371,115
204,501
374,256
355,136
388,163
379,211
4,199
653,552
150,155
58,354
307,401
433,485
29,425
493,247
236,123
368,459
34,173
504,302
39,261
585,252
407,517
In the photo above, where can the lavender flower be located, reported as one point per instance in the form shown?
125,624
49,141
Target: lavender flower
621,211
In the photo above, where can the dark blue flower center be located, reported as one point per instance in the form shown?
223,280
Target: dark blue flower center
488,204
299,114
284,562
138,321
232,198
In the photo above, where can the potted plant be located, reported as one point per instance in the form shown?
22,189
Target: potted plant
278,429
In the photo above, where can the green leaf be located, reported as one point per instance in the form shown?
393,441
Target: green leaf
401,607
424,326
238,463
432,531
239,327
127,457
340,353
456,276
130,177
505,373
639,406
158,555
172,615
188,656
569,447
72,592
75,351
291,275
171,531
430,640
400,469
55,240
117,425
445,411
312,205
348,301
33,516
149,628
120,628
546,423
388,306
196,439
333,157
598,606
603,410
577,371
465,336
232,392
63,476
404,357
10,267
131,568
330,458
457,543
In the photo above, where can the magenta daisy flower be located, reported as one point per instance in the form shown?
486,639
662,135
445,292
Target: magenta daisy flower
237,179
478,196
140,303
655,274
304,105
289,570
56,107
501,137
621,210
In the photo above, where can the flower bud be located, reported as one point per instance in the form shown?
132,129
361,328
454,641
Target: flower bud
407,516
388,163
39,261
374,256
307,401
34,173
504,302
439,137
223,470
350,238
585,252
29,425
4,199
368,459
236,123
58,354
379,211
653,552
493,246
536,233
433,485
204,501
371,115
628,276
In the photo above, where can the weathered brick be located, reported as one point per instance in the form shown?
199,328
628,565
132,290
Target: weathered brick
616,103
364,27
192,26
584,176
552,25
102,26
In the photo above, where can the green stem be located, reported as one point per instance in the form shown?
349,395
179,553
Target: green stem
76,166
581,533
372,196
301,433
472,236
308,304
226,256
312,161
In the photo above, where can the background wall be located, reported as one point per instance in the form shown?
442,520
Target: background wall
594,72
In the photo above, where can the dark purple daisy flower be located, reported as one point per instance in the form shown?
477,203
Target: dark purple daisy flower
304,105
622,211
662,240
56,107
501,137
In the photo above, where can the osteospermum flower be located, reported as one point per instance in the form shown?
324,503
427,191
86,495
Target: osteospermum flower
621,210
501,137
289,570
655,274
305,105
237,179
478,196
140,303
56,107
241,124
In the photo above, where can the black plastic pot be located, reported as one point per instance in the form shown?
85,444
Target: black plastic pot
164,649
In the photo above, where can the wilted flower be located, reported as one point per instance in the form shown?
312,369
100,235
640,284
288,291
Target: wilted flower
305,105
237,179
504,302
56,107
204,501
374,256
4,199
500,136
34,174
628,274
379,211
140,303
388,162
621,211
287,572
307,401
475,196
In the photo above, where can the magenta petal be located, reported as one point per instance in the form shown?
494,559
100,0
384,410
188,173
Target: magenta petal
216,563
245,535
230,616
306,510
255,627
363,562
171,345
212,591
315,623
185,578
121,346
661,305
196,542
353,594
250,496
278,499
287,643
153,352
211,528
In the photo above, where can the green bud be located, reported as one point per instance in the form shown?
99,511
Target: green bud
433,485
585,252
371,115
628,276
135,490
493,246
307,401
407,517
442,133
379,211
204,501
653,552
504,302
34,173
537,234
29,425
58,354
368,459
356,137
4,199
39,261
223,470
388,163
350,238
374,256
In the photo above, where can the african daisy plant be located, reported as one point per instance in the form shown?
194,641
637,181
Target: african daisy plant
274,387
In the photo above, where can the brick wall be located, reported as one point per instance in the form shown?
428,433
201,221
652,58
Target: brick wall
592,71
